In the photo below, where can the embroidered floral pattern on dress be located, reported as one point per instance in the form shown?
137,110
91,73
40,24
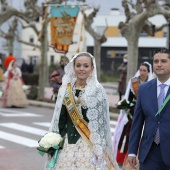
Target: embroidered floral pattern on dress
80,157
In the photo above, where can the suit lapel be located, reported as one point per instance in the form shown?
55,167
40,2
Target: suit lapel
153,95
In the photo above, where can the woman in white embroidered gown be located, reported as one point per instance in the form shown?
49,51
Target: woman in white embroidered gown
91,101
14,94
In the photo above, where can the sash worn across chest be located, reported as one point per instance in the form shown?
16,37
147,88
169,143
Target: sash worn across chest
135,86
80,124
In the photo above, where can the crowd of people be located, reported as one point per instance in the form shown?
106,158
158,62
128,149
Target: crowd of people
81,115
149,136
141,139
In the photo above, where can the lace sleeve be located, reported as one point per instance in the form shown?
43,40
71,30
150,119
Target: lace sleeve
99,124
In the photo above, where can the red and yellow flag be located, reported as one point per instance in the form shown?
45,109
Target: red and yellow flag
63,19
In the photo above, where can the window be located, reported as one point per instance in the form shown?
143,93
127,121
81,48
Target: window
34,60
31,39
116,53
51,59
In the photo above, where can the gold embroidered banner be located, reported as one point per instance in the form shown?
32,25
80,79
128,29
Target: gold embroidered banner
63,19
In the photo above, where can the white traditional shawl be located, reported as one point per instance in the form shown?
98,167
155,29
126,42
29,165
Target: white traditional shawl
97,113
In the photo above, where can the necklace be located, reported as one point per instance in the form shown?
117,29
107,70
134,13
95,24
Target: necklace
79,87
81,98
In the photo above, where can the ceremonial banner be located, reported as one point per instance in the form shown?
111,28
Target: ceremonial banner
63,19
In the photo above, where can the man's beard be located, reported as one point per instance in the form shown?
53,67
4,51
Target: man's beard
62,66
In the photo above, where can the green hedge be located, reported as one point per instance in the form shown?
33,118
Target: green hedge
30,79
108,77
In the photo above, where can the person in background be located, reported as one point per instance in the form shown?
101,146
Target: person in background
123,73
2,79
87,145
24,66
7,60
30,67
150,135
144,74
13,93
56,77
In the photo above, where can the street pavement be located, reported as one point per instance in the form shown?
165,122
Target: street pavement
20,130
23,127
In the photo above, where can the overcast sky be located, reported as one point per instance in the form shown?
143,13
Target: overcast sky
105,5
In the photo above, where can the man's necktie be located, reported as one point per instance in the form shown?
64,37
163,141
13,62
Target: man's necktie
160,102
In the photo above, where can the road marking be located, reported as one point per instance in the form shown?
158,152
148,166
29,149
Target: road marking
45,124
19,114
24,128
18,139
29,142
112,122
16,113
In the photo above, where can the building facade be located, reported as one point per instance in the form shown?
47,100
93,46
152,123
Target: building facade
115,47
112,50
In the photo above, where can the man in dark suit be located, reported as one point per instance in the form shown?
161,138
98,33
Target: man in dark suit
153,148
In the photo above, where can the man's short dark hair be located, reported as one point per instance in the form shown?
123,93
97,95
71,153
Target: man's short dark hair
163,51
64,57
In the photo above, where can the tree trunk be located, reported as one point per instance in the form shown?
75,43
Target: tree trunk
10,46
132,57
43,63
97,55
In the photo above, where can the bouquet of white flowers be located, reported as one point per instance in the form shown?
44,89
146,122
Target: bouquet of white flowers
50,143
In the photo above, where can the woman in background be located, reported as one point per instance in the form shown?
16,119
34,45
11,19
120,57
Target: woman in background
123,74
2,79
14,94
121,135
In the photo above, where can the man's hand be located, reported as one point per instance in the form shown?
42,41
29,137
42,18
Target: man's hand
132,161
